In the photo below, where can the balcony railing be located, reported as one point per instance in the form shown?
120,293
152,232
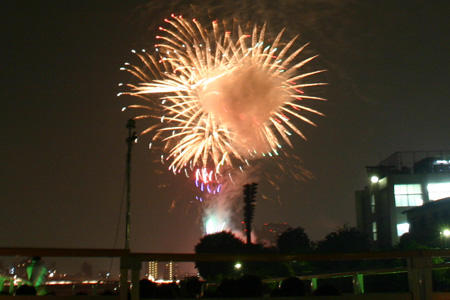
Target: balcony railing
419,267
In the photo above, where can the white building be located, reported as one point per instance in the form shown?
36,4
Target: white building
402,181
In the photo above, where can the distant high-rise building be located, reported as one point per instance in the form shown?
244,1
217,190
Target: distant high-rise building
162,270
169,270
402,181
153,270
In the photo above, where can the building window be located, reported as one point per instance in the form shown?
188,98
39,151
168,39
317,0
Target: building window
402,228
153,270
372,203
438,190
408,195
374,231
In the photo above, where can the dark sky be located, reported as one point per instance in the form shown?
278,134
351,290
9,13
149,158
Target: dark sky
63,139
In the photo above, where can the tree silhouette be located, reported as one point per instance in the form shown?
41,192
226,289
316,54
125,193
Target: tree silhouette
264,269
221,242
249,209
294,240
345,239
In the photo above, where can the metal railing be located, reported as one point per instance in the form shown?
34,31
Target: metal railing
419,264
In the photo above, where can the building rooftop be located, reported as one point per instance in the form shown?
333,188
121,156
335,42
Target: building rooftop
410,162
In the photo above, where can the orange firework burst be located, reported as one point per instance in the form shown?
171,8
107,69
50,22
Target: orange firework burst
221,98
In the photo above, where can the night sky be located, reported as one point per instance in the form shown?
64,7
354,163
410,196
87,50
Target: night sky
63,153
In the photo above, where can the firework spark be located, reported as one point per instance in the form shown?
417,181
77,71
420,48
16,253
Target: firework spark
207,181
221,98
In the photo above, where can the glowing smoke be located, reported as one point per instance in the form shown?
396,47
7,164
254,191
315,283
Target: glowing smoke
223,211
244,100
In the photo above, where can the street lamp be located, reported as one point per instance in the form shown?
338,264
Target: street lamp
445,237
446,233
238,266
374,179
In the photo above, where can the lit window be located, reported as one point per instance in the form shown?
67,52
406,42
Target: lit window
438,190
408,195
441,162
372,203
374,231
402,228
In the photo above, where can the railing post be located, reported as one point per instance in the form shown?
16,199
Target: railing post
124,266
135,272
94,288
128,262
313,284
358,284
419,277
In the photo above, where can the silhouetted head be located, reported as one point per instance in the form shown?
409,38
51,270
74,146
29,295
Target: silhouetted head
326,290
26,290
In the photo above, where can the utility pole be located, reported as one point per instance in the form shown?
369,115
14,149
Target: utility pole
131,125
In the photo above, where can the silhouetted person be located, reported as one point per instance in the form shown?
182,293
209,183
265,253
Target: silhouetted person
147,288
250,286
81,294
108,293
228,288
290,287
169,290
191,287
26,290
326,290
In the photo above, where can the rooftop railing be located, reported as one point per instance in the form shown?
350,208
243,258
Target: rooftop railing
407,159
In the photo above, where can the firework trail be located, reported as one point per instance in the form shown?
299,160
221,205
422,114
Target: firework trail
221,99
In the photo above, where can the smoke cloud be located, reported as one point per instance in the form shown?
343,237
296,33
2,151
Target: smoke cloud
243,100
223,211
